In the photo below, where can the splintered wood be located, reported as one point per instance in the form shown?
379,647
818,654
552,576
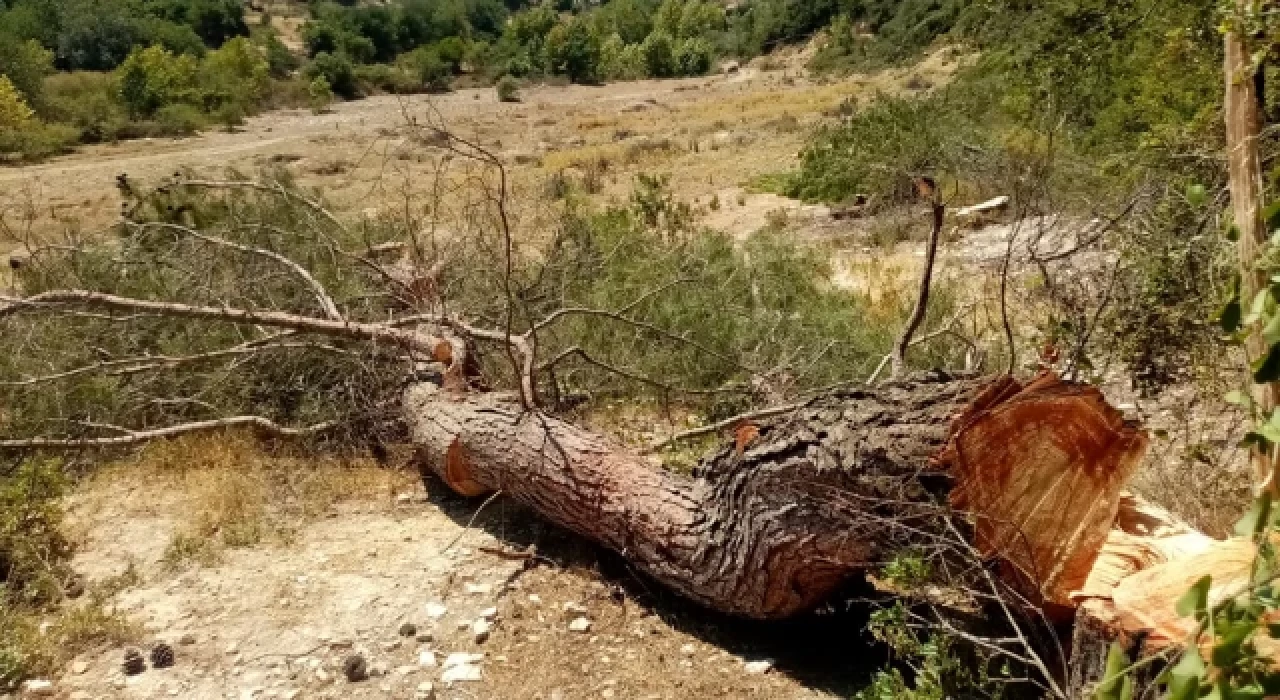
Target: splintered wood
1040,469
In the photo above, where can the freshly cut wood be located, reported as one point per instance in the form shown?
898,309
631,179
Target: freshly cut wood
774,522
1041,469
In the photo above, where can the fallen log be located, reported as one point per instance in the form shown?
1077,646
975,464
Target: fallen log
773,523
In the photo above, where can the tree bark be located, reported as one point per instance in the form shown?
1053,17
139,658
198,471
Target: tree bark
1244,169
773,523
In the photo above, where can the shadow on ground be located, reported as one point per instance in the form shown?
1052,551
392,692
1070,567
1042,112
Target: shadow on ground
827,650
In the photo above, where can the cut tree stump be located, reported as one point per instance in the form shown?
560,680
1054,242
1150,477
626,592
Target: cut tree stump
774,522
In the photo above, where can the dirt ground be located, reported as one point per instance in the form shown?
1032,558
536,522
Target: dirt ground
279,619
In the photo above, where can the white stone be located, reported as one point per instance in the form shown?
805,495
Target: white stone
435,611
391,646
535,599
426,691
427,659
688,649
575,608
79,667
323,676
461,658
489,613
37,688
479,588
580,624
462,673
406,670
756,668
480,629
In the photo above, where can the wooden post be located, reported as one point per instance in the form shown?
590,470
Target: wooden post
1244,124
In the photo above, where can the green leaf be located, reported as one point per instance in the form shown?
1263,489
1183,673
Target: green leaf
1228,649
1239,398
1197,195
1257,516
1113,678
1267,369
1126,688
1258,307
1183,679
1253,691
1271,215
1233,233
1229,316
1271,331
1195,600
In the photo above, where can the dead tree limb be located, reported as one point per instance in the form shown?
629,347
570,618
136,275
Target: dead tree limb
926,283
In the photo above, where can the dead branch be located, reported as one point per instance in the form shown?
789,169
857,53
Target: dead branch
321,294
412,341
926,282
132,437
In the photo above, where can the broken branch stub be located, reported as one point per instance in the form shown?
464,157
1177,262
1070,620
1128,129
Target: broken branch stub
773,527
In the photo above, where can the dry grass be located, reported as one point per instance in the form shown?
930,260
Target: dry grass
231,491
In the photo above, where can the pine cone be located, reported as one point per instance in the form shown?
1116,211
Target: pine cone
355,668
161,656
133,663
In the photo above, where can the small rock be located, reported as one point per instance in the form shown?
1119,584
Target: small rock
688,650
79,667
575,608
435,611
756,668
481,628
479,588
187,639
427,659
37,688
378,669
424,638
408,629
462,673
406,670
391,645
489,614
580,624
462,658
535,599
426,691
355,668
323,675
233,648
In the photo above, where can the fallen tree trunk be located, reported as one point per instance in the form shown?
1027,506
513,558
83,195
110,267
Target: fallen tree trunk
773,523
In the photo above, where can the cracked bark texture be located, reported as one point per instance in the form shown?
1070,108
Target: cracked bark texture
766,527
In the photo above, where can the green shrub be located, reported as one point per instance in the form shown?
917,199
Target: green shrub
238,73
338,72
434,75
87,101
180,119
25,64
879,149
508,89
694,57
152,78
659,55
15,113
37,140
320,94
380,77
280,60
33,551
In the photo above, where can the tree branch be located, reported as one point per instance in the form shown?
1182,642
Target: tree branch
327,304
131,438
922,301
408,340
